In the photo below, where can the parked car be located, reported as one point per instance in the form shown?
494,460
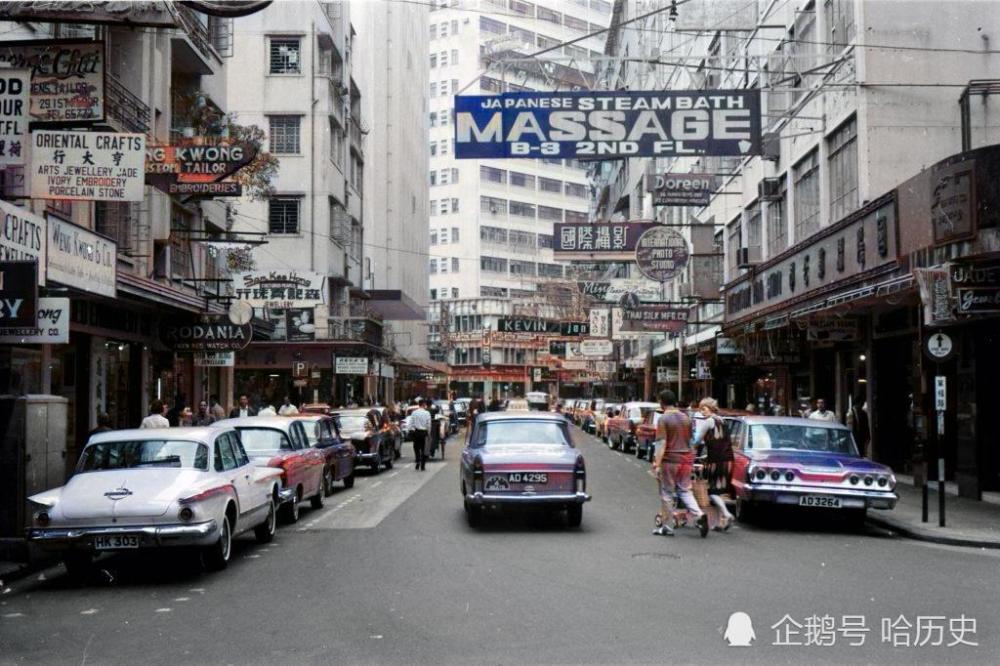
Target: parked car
371,446
278,441
522,459
622,428
645,434
391,431
601,420
538,401
798,462
151,488
315,408
338,453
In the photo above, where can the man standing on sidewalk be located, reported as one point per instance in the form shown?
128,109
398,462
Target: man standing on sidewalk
673,464
420,419
822,413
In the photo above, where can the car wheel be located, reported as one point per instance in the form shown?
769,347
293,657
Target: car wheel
651,454
328,482
290,512
316,501
264,532
574,515
349,481
377,464
79,565
216,556
388,462
639,453
746,511
476,516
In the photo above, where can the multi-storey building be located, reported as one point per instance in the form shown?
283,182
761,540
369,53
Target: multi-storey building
491,220
867,187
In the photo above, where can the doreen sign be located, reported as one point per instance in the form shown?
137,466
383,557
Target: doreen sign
213,333
608,125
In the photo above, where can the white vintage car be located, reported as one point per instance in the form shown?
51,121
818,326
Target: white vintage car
154,488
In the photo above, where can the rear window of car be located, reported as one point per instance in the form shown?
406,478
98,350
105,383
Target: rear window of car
263,440
521,432
352,423
144,453
802,438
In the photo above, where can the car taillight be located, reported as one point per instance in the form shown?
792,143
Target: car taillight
42,518
580,475
775,475
760,474
185,513
477,475
206,494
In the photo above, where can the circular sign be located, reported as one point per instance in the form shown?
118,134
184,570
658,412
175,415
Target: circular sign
240,312
939,346
661,253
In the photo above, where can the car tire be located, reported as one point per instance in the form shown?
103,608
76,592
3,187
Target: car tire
79,565
377,465
328,482
216,556
746,511
289,512
264,533
388,463
316,501
574,515
640,453
476,516
349,481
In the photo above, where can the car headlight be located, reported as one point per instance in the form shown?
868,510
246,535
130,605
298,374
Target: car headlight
789,476
855,479
882,481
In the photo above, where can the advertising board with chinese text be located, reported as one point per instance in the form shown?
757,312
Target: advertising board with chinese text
598,240
87,166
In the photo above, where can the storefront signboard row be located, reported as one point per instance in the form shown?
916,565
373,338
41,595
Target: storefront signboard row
87,166
51,326
542,326
281,290
659,317
215,359
975,287
858,245
598,240
613,291
197,166
681,189
211,333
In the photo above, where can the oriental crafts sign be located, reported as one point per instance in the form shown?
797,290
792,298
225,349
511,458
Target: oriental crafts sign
67,77
212,333
661,253
198,166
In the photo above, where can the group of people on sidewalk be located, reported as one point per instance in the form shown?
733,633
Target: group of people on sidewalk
180,415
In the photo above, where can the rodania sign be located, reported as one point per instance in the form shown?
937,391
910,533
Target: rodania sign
215,333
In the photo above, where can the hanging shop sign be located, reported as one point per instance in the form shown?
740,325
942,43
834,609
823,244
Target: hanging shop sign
386,371
600,322
635,363
833,330
18,293
597,240
519,325
975,286
351,365
934,285
595,347
79,258
300,324
14,101
727,347
557,348
667,375
215,359
22,237
657,317
149,13
857,245
211,333
953,206
661,253
87,166
51,325
281,289
613,291
681,189
227,8
198,166
67,77
607,125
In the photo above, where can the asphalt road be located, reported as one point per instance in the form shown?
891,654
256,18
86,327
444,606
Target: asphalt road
389,572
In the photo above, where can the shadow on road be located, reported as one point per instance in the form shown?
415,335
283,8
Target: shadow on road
813,521
523,522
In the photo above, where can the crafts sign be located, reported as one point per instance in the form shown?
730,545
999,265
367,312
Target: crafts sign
215,333
661,253
67,78
192,167
87,166
607,125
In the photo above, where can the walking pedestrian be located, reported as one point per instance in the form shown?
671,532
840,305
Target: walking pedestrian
103,425
174,415
287,408
420,419
217,410
203,417
244,409
860,425
822,413
713,434
673,464
156,419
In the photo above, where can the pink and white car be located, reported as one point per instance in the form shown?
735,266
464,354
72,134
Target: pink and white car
157,488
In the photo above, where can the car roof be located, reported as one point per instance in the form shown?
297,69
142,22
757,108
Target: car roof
789,420
353,412
639,403
521,416
203,434
276,422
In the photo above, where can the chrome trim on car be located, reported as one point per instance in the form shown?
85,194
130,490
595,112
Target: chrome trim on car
286,495
770,491
159,535
527,498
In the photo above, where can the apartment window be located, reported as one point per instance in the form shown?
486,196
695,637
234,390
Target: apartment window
522,239
839,24
493,264
443,178
454,268
522,8
454,205
286,55
284,135
574,23
454,56
576,190
444,266
454,233
806,192
577,52
433,118
545,240
433,207
493,234
432,178
522,180
336,141
454,175
550,270
489,84
180,244
600,6
434,233
454,294
433,148
491,26
492,205
283,215
547,42
443,58
445,118
443,146
843,162
434,60
549,213
550,185
550,16
522,268
434,294
777,221
434,31
754,229
492,175
575,217
734,231
492,292
434,89
444,210
526,36
434,266
454,86
444,29
522,209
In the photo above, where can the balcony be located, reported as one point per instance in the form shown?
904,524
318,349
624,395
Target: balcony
125,112
356,330
193,51
357,135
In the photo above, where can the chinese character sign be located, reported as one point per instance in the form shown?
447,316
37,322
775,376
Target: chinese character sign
661,253
281,289
14,86
598,240
87,166
608,125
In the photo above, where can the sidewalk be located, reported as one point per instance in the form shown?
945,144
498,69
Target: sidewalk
968,522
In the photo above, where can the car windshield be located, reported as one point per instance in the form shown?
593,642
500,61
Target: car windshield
521,432
352,423
312,432
146,453
802,438
263,440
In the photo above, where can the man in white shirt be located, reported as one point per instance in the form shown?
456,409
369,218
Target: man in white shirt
243,409
156,419
267,410
822,413
287,408
420,421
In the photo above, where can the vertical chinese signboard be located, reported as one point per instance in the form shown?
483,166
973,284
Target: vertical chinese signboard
14,86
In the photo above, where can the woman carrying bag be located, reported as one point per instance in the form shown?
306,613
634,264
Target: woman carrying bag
712,433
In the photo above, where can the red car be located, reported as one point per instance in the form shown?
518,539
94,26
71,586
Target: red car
278,441
338,454
622,429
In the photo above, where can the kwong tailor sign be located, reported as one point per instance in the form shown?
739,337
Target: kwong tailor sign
212,333
80,258
14,86
67,78
196,167
87,166
281,289
654,317
22,237
515,325
682,189
608,124
598,240
51,327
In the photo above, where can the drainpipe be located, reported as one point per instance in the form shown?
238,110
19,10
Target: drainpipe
312,149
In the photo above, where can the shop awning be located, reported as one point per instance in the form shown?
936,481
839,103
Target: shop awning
394,305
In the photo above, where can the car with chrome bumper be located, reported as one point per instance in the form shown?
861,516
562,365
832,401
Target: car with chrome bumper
804,463
338,453
622,430
522,460
372,446
153,488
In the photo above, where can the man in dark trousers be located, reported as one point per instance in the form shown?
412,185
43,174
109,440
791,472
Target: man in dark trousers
420,419
858,422
243,409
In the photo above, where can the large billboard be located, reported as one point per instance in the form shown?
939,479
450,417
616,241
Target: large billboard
608,125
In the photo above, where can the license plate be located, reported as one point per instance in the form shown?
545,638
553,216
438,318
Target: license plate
116,542
820,501
534,478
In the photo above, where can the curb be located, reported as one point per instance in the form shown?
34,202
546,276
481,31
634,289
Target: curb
920,535
26,570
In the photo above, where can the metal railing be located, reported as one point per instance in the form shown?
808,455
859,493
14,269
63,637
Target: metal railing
356,330
196,30
125,108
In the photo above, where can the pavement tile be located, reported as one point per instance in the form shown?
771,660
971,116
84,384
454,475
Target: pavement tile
967,522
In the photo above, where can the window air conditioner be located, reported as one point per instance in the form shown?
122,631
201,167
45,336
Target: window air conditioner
769,189
747,257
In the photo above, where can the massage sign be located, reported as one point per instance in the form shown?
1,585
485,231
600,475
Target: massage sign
87,166
198,166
